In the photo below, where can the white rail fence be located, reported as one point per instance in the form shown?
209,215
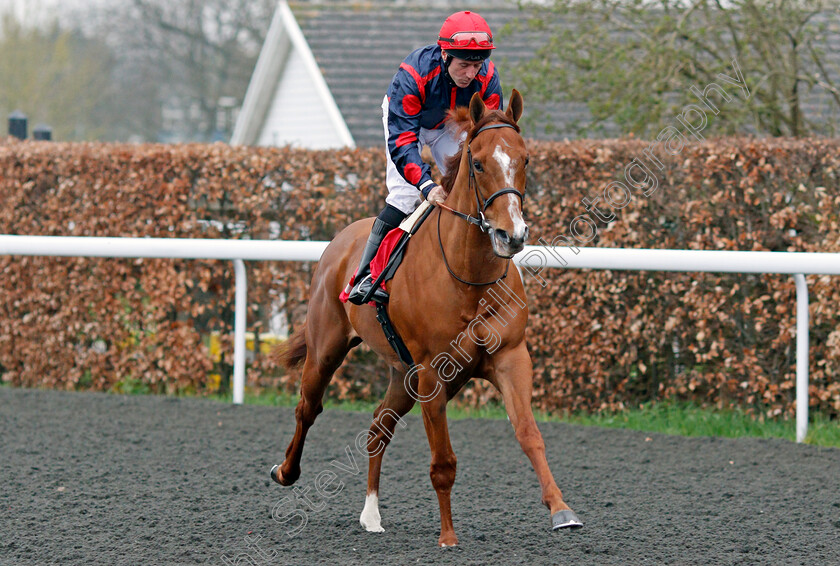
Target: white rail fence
532,260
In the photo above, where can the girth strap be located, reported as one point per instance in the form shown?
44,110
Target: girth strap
393,338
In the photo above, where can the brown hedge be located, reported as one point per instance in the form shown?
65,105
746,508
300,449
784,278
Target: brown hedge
600,339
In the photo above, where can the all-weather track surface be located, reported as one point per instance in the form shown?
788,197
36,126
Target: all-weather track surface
109,479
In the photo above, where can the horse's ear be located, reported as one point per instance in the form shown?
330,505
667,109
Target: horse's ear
514,109
476,108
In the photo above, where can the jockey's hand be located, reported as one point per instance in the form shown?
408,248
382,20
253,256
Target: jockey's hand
437,195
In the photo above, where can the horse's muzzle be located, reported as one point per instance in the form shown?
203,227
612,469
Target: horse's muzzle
508,245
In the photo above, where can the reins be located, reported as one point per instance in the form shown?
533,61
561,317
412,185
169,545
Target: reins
481,207
452,273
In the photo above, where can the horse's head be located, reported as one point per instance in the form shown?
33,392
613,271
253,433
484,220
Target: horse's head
496,157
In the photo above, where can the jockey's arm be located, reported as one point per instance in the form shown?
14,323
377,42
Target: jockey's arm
404,111
492,94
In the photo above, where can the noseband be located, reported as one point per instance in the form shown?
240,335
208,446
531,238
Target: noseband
481,205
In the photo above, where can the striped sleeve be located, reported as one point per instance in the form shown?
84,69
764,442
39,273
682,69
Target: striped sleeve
406,97
491,87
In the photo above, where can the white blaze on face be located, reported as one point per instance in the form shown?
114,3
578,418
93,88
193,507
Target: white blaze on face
370,518
506,165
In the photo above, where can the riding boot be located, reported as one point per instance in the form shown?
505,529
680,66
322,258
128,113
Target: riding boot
388,219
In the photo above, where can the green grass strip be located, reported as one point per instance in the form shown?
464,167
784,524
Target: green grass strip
666,417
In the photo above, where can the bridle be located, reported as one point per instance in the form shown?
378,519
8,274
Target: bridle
481,206
481,221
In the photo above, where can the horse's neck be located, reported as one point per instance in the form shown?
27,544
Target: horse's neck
469,251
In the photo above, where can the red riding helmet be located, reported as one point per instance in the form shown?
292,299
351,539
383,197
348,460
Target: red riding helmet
466,35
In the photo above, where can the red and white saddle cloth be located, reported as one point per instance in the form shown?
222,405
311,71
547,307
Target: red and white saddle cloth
386,259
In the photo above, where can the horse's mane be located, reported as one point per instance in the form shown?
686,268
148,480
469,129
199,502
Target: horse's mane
459,120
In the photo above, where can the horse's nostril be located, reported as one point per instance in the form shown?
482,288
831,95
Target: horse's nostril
504,236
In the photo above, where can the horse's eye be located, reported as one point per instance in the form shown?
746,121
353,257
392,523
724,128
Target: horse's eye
477,166
527,161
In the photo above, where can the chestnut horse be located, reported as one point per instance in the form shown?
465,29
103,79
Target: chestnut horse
444,306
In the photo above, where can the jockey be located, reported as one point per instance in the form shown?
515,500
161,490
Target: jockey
430,81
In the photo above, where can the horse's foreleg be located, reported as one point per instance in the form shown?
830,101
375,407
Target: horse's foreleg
442,469
394,406
513,376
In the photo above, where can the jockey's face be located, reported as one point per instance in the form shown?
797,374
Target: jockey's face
463,72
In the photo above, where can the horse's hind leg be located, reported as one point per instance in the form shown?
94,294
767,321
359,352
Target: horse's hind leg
513,376
326,346
394,406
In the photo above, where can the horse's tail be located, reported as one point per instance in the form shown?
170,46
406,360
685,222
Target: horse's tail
293,351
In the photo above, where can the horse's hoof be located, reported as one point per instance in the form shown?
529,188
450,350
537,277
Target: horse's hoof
445,545
448,542
277,475
373,528
565,519
275,471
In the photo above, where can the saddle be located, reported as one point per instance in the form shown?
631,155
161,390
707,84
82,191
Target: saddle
391,252
382,268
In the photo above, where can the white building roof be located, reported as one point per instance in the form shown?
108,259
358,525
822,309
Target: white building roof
288,101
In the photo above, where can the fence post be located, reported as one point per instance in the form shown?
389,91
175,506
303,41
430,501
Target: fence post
239,325
17,125
801,357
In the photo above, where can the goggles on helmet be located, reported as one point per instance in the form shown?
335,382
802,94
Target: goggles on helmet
470,40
